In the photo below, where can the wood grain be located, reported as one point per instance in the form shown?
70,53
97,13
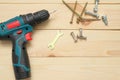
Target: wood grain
106,68
60,19
98,43
57,1
97,58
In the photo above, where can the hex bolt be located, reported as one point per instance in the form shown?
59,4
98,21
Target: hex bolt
105,20
96,6
81,37
73,36
92,14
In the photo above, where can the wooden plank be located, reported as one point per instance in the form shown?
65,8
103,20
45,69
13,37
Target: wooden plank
98,43
56,1
67,68
60,19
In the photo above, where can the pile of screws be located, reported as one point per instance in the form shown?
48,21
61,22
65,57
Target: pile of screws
80,36
80,16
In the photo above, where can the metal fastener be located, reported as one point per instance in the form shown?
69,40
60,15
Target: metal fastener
92,14
73,12
73,36
78,15
80,36
78,19
71,8
104,19
96,6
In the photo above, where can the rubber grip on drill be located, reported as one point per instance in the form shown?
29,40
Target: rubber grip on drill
20,58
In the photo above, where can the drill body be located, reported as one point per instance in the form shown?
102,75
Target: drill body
18,30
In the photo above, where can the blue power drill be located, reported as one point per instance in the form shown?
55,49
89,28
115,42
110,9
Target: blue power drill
18,30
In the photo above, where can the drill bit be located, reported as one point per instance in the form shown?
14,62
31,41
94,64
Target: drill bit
73,12
53,11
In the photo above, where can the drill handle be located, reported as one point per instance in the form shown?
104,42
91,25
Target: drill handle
20,59
19,53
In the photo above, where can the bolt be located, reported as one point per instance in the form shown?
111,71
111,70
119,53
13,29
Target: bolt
81,37
92,14
73,36
104,19
96,6
73,12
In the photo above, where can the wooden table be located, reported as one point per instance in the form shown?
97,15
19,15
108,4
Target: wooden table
97,58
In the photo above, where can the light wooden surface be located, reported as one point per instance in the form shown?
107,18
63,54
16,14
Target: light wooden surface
97,58
56,1
106,68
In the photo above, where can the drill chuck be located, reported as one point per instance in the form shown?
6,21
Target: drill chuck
35,18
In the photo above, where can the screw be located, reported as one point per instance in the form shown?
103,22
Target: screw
73,36
104,19
84,8
71,8
92,14
96,6
81,37
77,14
78,19
73,12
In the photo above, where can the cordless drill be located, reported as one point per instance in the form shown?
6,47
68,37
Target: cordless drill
18,30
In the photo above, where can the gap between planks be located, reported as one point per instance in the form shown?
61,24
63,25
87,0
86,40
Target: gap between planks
98,43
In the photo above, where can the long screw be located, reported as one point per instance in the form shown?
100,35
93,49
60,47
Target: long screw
71,8
78,19
73,12
81,19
